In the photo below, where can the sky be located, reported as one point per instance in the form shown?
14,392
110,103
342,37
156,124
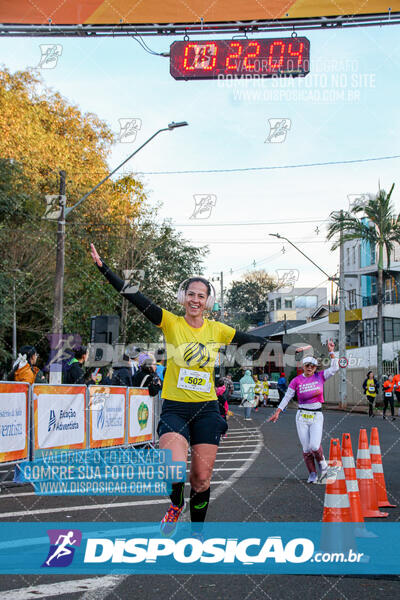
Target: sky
346,109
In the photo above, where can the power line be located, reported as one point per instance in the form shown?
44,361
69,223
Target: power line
273,167
247,242
245,224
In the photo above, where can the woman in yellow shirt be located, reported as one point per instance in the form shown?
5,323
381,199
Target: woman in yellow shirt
190,413
370,386
257,392
265,385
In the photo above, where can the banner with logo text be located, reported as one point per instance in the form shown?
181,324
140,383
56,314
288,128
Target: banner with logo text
14,420
59,416
237,548
140,416
107,416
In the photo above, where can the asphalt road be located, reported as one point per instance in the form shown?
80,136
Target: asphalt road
259,476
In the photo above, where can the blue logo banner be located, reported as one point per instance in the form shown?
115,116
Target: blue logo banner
215,548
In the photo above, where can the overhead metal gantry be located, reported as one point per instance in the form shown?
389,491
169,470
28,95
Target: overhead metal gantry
201,28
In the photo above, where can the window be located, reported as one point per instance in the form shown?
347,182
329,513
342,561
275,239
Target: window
306,301
288,303
391,329
352,299
271,305
278,303
373,255
369,332
348,256
396,330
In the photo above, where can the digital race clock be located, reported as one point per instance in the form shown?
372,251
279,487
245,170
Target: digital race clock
244,58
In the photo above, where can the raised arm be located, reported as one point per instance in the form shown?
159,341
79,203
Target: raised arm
241,337
150,310
290,392
334,368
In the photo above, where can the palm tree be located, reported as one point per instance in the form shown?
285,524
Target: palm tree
381,229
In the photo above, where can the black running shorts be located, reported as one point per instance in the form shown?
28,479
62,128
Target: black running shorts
198,422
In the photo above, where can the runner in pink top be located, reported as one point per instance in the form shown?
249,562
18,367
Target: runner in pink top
309,388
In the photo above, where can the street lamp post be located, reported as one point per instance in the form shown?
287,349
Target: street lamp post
342,315
58,315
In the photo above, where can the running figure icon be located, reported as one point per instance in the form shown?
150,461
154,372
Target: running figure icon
62,550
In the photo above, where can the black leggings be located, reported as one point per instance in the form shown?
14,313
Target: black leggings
386,400
371,406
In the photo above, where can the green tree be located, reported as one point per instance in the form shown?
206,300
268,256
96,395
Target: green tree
41,133
376,224
247,298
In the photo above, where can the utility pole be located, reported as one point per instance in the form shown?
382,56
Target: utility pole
14,321
221,280
342,310
222,315
342,323
57,329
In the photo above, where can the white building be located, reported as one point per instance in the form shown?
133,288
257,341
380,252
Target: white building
299,303
361,270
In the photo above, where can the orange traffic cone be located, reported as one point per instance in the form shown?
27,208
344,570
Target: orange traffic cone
377,469
351,479
336,504
368,497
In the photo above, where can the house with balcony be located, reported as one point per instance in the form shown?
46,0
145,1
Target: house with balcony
361,273
295,305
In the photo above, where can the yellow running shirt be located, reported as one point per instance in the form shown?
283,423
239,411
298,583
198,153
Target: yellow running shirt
371,390
191,354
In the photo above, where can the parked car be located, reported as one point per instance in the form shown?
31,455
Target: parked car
273,396
235,398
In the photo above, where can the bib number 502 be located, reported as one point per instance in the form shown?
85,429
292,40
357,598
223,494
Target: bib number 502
195,380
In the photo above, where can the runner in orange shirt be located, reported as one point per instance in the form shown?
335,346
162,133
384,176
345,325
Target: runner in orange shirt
396,386
388,396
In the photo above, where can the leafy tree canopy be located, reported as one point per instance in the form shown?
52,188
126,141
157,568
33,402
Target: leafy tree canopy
40,134
247,298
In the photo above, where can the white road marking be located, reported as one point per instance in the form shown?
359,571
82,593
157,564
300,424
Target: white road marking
42,511
231,459
243,429
216,470
100,506
89,584
240,446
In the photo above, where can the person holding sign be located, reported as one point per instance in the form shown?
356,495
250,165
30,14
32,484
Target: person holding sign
309,388
370,387
190,413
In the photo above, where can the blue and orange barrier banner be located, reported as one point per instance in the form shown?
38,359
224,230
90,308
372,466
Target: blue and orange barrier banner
140,416
59,417
14,421
107,416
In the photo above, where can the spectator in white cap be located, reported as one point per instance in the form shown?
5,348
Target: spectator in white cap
147,375
309,388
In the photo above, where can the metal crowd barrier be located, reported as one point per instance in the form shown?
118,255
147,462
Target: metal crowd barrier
41,417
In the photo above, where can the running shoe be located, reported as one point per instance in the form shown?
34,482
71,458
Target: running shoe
329,474
169,521
312,478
